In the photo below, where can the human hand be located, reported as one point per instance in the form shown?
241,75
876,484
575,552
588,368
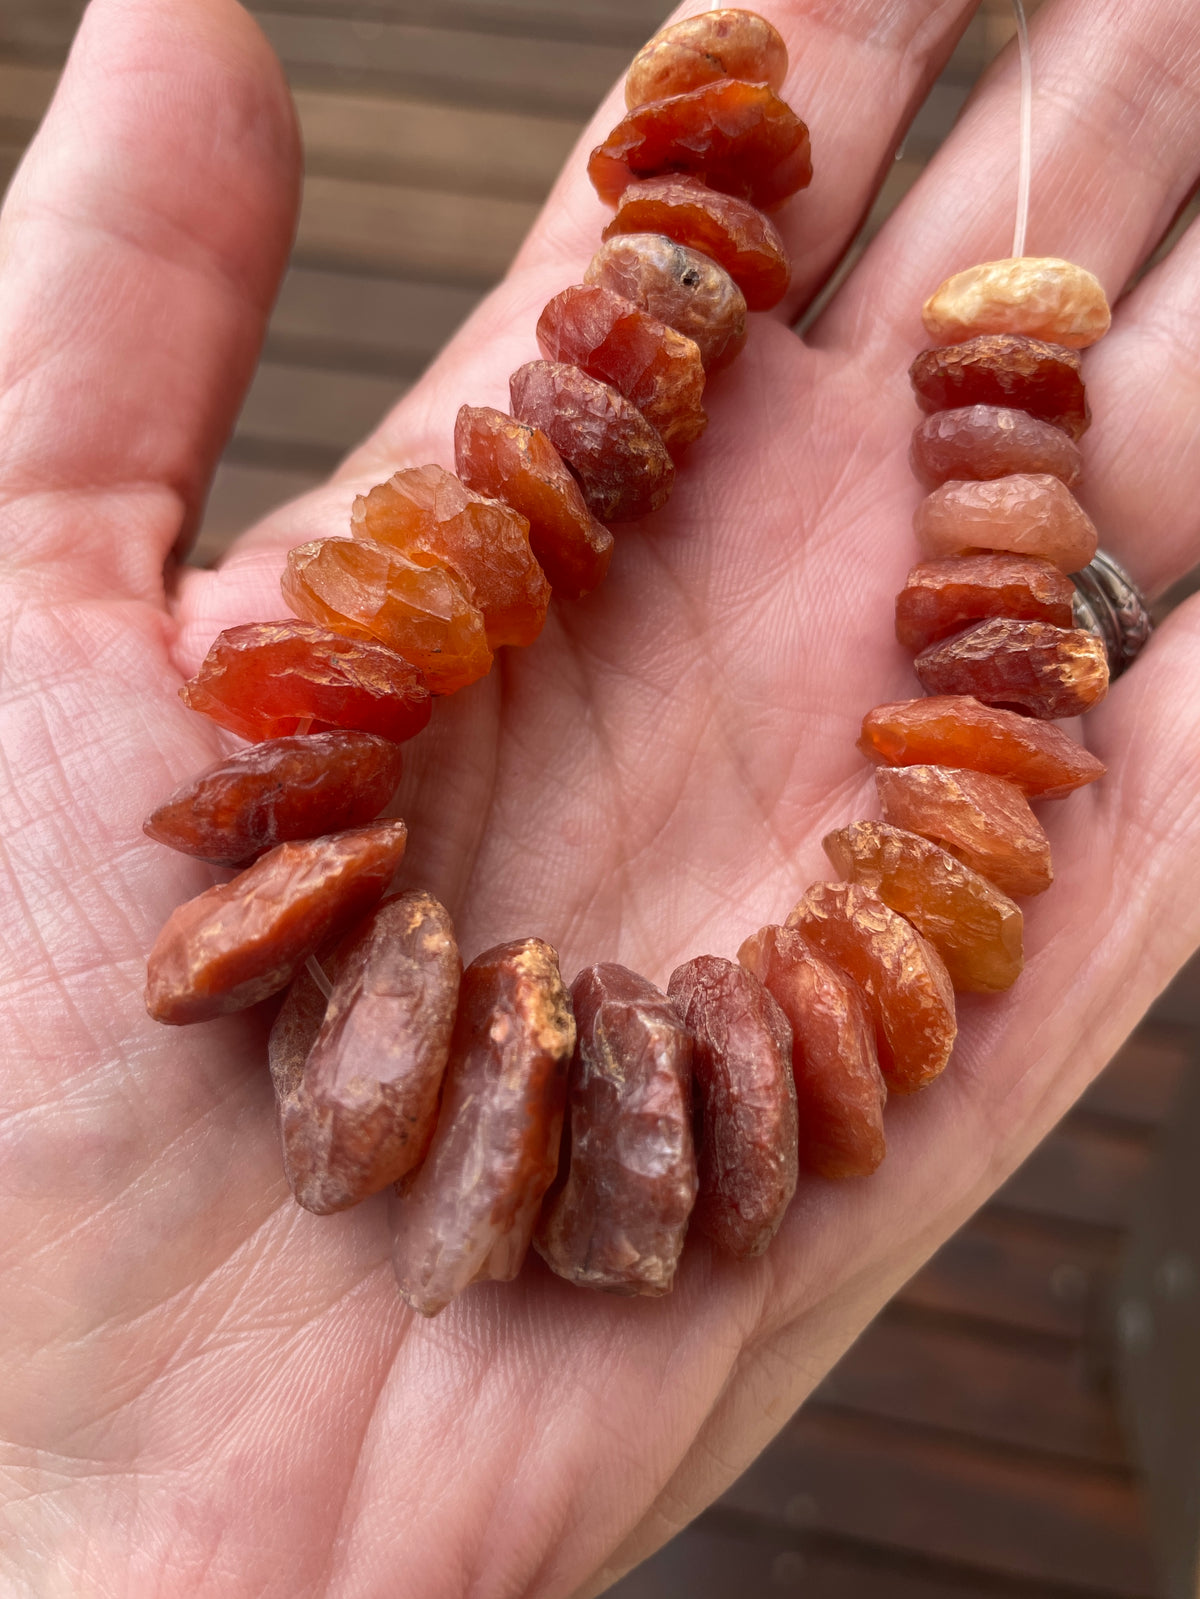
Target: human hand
206,1390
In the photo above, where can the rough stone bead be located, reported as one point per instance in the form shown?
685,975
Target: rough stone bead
265,679
1026,513
652,365
840,1091
983,820
357,1080
956,730
620,460
746,1103
423,612
942,597
1005,369
1049,672
433,518
986,441
738,138
468,1214
243,940
902,977
286,788
726,43
618,1221
1041,297
686,290
973,926
511,461
736,235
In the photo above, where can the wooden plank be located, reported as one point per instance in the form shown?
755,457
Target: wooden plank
620,22
907,1490
1140,1083
1082,1172
241,494
546,76
984,1383
393,327
25,92
38,29
465,149
467,239
327,413
1020,1271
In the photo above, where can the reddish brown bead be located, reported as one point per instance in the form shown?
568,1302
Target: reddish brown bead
421,611
983,820
511,461
903,978
284,789
973,926
986,441
618,457
957,731
1026,514
746,1101
1049,672
265,679
942,597
434,519
840,1091
1005,369
242,941
619,1220
727,43
469,1213
738,138
686,290
357,1080
745,242
645,360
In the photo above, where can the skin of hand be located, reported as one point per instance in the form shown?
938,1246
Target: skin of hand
204,1390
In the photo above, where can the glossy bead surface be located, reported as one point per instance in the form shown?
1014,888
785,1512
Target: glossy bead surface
986,441
1048,672
726,43
1005,369
942,597
1041,297
681,287
981,819
1027,514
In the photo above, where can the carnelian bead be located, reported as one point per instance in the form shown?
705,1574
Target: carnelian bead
744,241
1025,513
265,679
983,820
727,43
1004,369
649,363
620,460
956,730
686,290
739,138
365,587
1049,672
516,463
940,597
986,441
1040,296
434,519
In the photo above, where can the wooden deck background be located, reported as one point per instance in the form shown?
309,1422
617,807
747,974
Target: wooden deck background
969,1444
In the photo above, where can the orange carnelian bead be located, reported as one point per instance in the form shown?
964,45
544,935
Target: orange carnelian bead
433,518
745,242
1026,513
1005,369
265,679
983,820
618,457
423,611
985,441
511,461
686,290
1050,672
956,730
1041,296
649,363
738,138
940,597
903,978
974,927
727,43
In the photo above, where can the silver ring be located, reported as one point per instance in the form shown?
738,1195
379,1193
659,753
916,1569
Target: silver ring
1109,604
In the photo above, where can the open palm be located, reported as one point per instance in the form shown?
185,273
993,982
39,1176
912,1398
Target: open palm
204,1390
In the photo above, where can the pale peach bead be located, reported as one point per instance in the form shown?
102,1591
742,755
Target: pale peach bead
1040,297
728,43
1029,513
